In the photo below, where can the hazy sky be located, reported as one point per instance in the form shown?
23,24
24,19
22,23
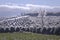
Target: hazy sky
37,2
15,7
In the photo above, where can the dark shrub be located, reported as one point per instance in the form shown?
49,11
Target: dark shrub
2,30
30,29
52,30
7,30
44,30
49,30
12,29
34,30
23,29
17,29
27,30
57,32
38,30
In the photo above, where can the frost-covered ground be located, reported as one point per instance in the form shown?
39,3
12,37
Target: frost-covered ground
50,23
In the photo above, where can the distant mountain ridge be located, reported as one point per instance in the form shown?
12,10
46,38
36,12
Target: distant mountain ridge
53,14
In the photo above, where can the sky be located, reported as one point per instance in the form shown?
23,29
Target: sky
16,7
37,2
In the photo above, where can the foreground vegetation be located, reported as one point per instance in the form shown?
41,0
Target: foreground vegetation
27,36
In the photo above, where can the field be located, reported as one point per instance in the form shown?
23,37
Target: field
27,36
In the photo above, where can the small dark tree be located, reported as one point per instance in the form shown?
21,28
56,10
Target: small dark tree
17,29
44,30
23,29
1,30
52,30
57,32
12,29
48,31
30,29
27,30
7,30
34,30
38,30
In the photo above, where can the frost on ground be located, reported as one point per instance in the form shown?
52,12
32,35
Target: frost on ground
45,25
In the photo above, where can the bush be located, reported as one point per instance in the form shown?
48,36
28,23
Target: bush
38,30
52,31
7,30
49,30
17,29
12,29
23,29
44,30
27,30
57,32
2,30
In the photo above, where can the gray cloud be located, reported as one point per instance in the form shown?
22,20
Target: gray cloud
12,10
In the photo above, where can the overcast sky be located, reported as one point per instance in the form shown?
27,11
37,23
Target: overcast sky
15,7
38,2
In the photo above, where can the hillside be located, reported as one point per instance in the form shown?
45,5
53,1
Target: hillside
50,24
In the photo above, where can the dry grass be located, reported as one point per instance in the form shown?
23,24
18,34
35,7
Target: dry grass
27,36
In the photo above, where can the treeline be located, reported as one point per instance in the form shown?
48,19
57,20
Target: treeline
44,30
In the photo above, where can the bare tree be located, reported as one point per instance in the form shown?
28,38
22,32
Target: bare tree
42,13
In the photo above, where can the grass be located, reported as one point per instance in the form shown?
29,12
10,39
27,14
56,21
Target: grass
27,36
